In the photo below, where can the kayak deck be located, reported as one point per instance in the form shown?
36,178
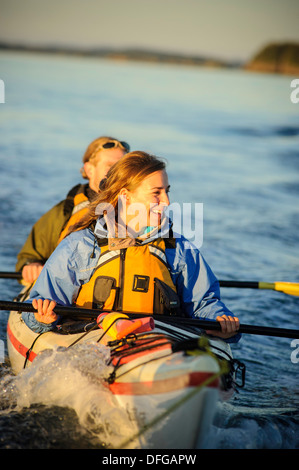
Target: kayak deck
151,373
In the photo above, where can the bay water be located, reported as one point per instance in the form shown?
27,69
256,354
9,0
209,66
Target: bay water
231,139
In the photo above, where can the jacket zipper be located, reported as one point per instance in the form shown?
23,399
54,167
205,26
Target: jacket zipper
121,279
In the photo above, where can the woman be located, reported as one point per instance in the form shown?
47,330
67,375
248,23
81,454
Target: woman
115,260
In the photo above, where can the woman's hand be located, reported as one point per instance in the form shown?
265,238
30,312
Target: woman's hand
44,309
229,327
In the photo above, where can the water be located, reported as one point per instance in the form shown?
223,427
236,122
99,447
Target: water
232,142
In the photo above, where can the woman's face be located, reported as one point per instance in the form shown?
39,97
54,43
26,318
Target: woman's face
145,205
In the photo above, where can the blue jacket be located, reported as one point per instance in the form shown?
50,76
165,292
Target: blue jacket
71,265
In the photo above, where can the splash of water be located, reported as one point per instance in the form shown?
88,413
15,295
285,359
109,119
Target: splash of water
72,378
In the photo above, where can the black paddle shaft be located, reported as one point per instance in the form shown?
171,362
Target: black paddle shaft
203,324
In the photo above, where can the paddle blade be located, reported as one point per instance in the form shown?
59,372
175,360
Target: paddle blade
290,288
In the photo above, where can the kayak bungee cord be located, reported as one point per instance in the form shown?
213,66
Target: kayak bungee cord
172,408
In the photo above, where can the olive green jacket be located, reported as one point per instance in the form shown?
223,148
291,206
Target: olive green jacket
45,233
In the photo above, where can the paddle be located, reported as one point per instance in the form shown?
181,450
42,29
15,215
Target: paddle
203,324
290,288
10,275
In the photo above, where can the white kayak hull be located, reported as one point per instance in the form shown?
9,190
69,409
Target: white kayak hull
170,398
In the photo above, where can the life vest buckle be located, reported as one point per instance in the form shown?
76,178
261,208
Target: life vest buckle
140,283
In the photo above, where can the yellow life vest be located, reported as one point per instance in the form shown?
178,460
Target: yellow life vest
81,204
133,279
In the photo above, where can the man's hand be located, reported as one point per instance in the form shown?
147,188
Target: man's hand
30,272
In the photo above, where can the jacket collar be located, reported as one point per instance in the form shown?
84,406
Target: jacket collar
101,231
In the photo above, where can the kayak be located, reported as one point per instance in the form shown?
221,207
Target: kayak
166,377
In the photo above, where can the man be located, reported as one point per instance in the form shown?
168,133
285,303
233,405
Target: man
49,230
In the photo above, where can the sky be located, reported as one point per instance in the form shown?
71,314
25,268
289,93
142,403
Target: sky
222,29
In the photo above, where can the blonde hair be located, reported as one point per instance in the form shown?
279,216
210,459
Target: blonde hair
92,153
128,172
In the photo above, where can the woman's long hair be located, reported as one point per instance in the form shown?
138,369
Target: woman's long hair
127,173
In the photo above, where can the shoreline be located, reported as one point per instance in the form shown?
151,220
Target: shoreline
255,65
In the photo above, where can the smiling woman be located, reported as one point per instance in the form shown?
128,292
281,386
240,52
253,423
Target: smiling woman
146,272
138,183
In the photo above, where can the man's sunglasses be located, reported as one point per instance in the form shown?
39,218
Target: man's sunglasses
115,143
110,145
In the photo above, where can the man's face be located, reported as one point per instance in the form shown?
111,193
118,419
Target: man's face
104,161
